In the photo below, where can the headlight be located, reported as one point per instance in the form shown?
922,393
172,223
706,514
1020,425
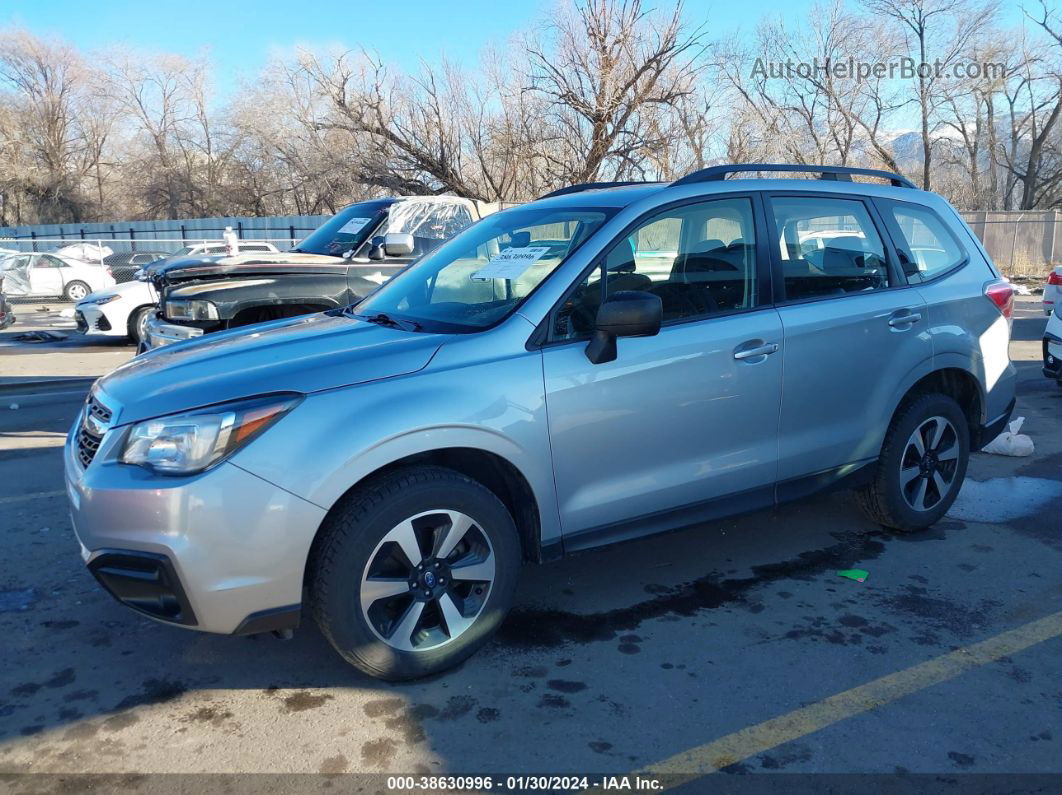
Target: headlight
191,310
106,299
182,444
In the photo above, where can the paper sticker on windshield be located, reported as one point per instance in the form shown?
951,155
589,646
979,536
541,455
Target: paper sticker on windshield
353,226
511,263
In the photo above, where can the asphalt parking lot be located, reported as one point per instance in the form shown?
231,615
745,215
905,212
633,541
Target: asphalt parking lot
674,653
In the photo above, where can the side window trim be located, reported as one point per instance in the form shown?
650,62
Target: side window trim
886,207
778,268
542,336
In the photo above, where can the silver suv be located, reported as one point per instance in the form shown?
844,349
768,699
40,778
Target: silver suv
607,362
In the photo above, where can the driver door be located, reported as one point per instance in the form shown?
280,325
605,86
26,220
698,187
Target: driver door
681,419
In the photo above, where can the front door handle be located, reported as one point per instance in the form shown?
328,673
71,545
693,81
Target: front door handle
752,353
904,317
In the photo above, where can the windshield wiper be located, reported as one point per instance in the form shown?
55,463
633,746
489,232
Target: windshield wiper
383,319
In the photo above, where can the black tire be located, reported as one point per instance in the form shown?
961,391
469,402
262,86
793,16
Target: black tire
75,286
352,534
883,499
133,324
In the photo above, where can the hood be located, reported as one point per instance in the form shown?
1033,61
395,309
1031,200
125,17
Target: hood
250,263
303,354
131,290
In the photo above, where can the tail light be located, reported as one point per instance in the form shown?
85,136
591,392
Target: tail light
1002,295
1055,278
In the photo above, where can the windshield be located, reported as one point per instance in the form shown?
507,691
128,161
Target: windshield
341,235
481,276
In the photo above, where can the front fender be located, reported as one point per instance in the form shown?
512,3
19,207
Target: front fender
336,439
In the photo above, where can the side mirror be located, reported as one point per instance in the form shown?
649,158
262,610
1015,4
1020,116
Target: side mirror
376,248
628,313
398,244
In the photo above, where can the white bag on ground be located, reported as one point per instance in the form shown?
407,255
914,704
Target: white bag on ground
1010,442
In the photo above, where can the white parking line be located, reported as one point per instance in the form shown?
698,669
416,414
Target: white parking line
40,495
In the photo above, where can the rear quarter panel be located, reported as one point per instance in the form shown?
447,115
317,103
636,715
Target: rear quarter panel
968,330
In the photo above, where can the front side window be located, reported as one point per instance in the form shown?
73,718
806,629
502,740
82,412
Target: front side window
481,276
925,243
700,259
828,247
346,231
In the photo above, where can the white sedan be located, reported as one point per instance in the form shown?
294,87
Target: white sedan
119,311
52,276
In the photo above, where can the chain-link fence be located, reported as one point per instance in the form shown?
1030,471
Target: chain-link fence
1021,243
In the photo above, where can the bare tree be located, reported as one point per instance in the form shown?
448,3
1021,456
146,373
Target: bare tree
53,123
610,71
938,32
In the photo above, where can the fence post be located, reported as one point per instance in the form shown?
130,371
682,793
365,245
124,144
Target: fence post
82,231
291,231
182,234
1054,230
239,230
132,239
33,237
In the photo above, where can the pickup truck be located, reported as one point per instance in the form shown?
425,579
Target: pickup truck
338,264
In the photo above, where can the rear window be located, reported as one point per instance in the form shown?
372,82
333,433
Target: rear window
925,242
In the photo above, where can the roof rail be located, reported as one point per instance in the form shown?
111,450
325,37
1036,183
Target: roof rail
842,173
592,186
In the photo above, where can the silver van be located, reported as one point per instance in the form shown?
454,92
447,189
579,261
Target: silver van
607,362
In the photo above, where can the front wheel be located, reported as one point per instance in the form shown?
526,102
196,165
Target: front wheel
75,291
137,325
921,467
414,572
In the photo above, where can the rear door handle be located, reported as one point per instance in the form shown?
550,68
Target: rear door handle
751,353
904,317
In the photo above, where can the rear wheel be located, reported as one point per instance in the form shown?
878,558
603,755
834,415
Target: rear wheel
414,572
137,325
75,291
922,465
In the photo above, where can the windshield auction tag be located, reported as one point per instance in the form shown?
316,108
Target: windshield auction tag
353,226
511,263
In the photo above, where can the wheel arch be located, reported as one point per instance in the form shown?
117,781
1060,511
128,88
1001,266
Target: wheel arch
957,383
489,469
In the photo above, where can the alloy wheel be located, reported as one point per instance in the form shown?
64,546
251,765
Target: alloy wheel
929,463
76,292
427,580
141,324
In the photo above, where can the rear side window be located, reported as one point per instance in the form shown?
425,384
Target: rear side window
828,247
926,246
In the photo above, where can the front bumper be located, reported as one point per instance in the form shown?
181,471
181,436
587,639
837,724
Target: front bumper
160,333
222,551
92,320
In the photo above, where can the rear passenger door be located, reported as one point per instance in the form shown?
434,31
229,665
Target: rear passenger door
853,330
681,418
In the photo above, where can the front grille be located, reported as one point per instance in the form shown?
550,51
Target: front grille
99,411
87,445
88,441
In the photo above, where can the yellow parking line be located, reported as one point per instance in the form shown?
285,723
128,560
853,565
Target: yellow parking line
793,725
40,495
